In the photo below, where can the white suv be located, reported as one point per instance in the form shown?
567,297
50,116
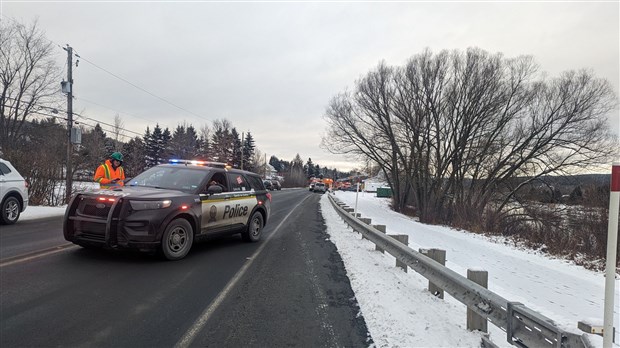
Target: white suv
14,193
319,187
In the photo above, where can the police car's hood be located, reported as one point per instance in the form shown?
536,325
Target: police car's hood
140,192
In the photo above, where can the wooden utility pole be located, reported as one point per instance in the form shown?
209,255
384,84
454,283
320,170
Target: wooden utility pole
69,89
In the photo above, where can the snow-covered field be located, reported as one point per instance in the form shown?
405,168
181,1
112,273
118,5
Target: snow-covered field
400,312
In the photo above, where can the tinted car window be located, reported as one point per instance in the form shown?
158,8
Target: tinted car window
238,182
4,169
256,183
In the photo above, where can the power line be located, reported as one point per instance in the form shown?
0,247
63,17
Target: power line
57,110
76,54
117,111
141,89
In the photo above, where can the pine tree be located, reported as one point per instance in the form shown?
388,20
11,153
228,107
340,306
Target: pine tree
133,157
275,163
193,143
236,148
310,168
150,152
248,152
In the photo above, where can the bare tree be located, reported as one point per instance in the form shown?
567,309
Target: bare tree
258,163
364,124
454,129
117,132
29,79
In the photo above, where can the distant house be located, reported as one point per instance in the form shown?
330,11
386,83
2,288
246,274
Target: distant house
271,172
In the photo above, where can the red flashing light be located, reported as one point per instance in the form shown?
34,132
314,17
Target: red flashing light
184,207
104,199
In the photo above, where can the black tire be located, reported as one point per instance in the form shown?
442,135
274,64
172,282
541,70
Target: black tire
11,210
177,240
254,229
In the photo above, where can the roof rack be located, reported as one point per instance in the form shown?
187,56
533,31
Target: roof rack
200,163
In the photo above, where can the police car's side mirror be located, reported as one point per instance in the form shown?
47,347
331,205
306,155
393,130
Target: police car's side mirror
213,189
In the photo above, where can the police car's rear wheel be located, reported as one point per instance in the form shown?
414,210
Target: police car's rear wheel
177,240
255,228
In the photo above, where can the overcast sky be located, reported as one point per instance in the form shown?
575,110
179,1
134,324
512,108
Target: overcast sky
272,67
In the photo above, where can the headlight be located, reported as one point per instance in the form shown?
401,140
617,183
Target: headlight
145,205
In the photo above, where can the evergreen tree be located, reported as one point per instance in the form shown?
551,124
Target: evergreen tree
310,168
133,157
184,143
177,143
275,163
248,152
236,148
296,176
221,143
150,151
203,148
193,141
163,144
156,146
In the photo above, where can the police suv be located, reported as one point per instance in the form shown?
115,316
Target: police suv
168,207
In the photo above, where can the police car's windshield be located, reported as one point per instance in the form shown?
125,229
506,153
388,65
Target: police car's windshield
174,178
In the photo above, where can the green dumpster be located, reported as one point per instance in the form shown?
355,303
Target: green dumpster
384,192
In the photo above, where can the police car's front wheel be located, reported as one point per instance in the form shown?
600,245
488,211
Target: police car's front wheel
255,228
177,240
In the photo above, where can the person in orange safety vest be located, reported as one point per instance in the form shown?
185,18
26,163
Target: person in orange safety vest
110,175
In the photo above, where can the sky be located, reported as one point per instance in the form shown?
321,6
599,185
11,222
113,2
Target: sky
400,312
271,68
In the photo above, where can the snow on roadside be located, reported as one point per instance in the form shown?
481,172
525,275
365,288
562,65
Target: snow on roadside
398,310
558,289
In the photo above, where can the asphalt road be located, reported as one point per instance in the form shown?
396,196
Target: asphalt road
290,289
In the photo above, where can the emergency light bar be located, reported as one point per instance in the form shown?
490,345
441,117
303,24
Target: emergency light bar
200,163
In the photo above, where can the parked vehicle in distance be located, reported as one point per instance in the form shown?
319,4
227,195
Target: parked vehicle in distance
311,187
168,207
320,187
14,193
276,185
268,185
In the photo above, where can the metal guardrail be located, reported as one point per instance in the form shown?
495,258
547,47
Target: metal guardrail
523,326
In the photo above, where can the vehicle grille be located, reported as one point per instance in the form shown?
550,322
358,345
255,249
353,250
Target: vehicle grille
93,208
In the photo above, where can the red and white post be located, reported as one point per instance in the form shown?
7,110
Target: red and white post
610,267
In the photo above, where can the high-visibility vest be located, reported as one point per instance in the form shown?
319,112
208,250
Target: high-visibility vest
105,174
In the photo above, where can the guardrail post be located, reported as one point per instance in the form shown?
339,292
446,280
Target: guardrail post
594,329
438,255
475,321
367,221
403,238
381,228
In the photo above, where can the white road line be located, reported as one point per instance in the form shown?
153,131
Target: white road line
37,254
191,334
